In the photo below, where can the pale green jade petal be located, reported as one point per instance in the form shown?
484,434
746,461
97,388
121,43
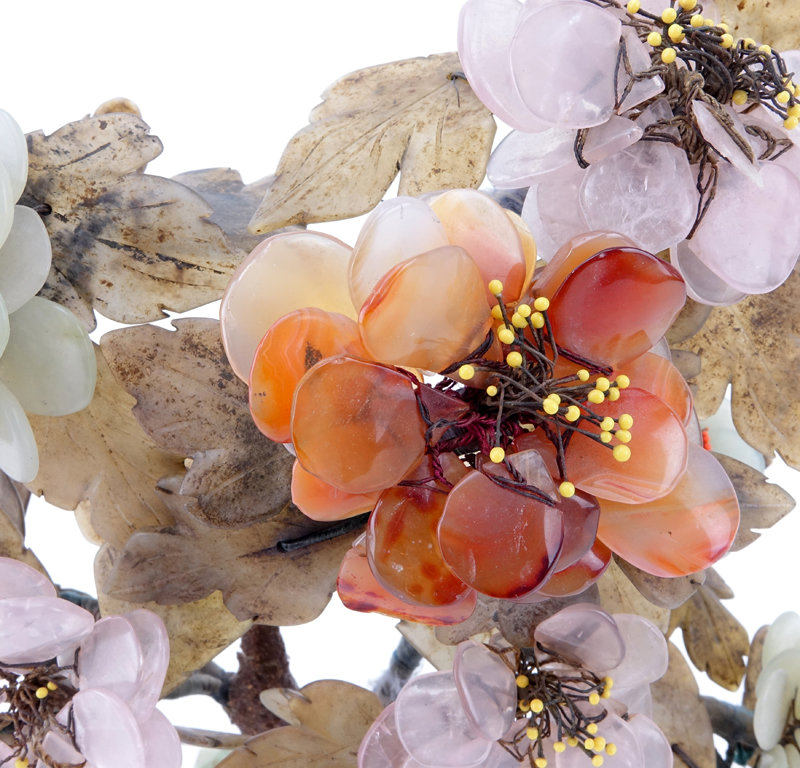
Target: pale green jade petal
6,204
13,153
49,363
783,635
19,457
789,662
771,712
24,258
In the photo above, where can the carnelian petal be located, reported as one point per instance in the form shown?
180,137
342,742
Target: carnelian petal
579,576
356,424
321,501
528,248
581,515
499,542
441,406
616,305
427,312
294,344
684,532
660,377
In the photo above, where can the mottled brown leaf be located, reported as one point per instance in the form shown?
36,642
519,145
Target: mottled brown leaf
775,22
103,456
407,116
124,243
12,524
619,595
761,504
754,665
664,593
191,403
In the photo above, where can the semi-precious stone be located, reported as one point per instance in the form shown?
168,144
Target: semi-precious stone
106,731
522,159
610,137
702,284
560,207
639,59
20,580
111,658
719,137
154,642
13,153
24,258
19,456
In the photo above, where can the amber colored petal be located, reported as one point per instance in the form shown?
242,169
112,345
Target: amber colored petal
321,501
356,424
684,532
294,344
483,229
660,377
579,576
528,248
427,312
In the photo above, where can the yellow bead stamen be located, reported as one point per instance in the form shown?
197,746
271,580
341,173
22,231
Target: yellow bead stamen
497,313
687,5
566,489
41,693
611,749
573,413
541,304
697,21
466,372
596,397
633,6
495,287
491,390
623,382
592,728
572,741
625,421
623,435
532,733
727,41
537,705
514,359
540,762
524,310
550,407
621,453
583,374
559,746
676,33
605,437
603,384
594,698
518,321
506,335
497,454
668,55
613,394
654,39
589,743
522,681
669,15
51,686
597,761
537,320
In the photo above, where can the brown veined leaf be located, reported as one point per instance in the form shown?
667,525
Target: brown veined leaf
125,243
102,455
198,631
13,503
410,116
619,595
753,345
191,403
661,592
761,504
681,715
776,22
754,666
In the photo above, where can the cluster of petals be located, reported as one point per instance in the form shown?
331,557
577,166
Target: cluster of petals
457,719
117,666
335,344
548,70
48,365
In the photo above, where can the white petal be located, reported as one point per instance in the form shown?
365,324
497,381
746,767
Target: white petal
19,457
774,758
792,755
783,634
6,204
13,153
24,258
772,709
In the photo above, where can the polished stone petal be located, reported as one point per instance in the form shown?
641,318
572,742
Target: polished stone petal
49,363
639,59
638,701
485,31
661,378
581,514
750,237
360,591
106,731
783,635
615,731
579,576
772,708
646,192
721,140
356,425
19,456
774,758
560,207
787,661
322,501
7,200
429,311
646,654
59,748
475,222
34,629
789,159
20,580
583,634
528,247
652,741
610,137
433,726
545,245
792,755
13,154
394,232
499,542
702,284
281,274
162,747
659,112
111,658
24,258
645,292
154,642
522,159
532,467
290,348
563,57
381,747
684,532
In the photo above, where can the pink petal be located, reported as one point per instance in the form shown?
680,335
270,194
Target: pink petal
106,730
646,654
20,580
162,747
111,658
154,641
381,747
654,745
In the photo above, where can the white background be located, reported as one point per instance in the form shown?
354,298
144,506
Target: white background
228,84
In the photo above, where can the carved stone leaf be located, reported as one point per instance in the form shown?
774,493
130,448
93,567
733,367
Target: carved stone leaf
103,456
407,116
754,346
689,321
761,504
12,524
191,403
198,631
754,666
127,244
776,23
424,641
189,560
619,595
661,592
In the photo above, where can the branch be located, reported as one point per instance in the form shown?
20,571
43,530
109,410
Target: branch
196,737
731,722
404,661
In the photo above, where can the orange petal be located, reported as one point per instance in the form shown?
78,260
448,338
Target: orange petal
579,576
321,501
661,378
528,248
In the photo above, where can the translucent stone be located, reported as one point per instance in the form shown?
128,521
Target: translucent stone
154,642
290,348
24,258
772,708
789,159
579,576
610,137
106,731
660,377
20,580
283,273
661,349
13,154
34,629
531,466
787,661
360,591
7,201
583,634
646,654
653,743
322,501
646,192
639,59
774,758
356,425
487,688
49,363
783,635
522,159
683,532
111,658
638,700
659,112
394,232
718,137
792,755
560,207
581,515
499,542
545,245
616,731
381,747
563,57
59,748
162,747
475,222
528,247
433,726
645,292
702,284
745,220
